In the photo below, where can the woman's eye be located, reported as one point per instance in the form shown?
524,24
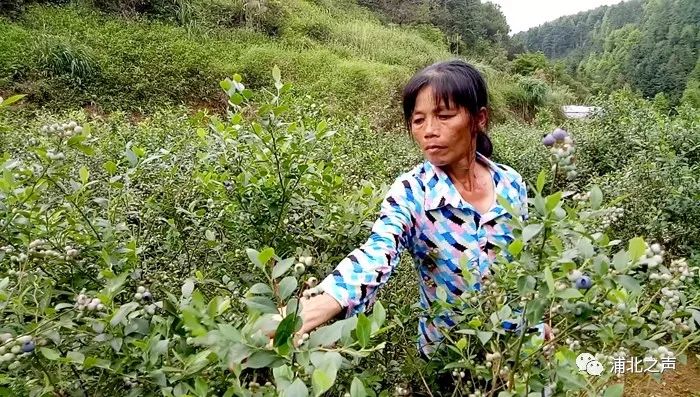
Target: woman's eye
444,116
417,121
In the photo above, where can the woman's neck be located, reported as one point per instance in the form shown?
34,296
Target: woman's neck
465,172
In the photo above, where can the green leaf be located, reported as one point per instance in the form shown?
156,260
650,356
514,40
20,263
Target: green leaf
260,359
326,336
276,74
614,390
357,388
9,101
637,248
596,197
296,389
630,283
553,201
110,167
484,336
621,260
209,235
516,247
461,344
282,267
286,328
131,157
283,376
321,127
187,288
260,289
569,293
123,311
531,231
265,255
549,278
84,175
287,287
364,327
261,304
200,386
539,204
50,354
585,247
254,257
75,357
535,310
226,85
541,179
526,284
320,381
378,314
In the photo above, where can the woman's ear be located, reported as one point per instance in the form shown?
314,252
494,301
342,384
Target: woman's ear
482,119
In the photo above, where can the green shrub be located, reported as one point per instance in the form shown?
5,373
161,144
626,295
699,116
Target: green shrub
110,283
56,58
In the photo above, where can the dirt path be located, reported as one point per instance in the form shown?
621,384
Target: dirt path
684,381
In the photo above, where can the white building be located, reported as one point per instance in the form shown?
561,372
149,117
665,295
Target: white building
579,112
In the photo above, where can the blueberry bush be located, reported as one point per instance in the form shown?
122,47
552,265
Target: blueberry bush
173,259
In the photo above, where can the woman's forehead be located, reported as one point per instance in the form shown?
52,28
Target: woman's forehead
432,99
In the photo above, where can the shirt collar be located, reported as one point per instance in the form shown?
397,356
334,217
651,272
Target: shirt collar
440,191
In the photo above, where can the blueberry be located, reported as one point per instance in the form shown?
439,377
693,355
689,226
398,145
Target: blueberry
559,134
548,140
583,282
28,347
147,295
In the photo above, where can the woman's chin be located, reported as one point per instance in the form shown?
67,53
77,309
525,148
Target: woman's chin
437,161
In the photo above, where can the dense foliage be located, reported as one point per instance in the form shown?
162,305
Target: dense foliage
651,46
110,282
470,26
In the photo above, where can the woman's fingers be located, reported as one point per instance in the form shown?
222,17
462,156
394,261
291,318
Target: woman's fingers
548,335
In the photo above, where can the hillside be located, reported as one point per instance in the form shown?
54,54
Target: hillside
649,45
79,55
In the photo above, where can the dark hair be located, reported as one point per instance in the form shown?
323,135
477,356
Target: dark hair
453,82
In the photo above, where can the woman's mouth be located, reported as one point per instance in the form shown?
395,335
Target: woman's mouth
434,148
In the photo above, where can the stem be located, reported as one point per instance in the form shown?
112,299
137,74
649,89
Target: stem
517,349
65,194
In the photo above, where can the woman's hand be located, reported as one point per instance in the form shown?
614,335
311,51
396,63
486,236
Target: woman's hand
317,310
314,311
548,334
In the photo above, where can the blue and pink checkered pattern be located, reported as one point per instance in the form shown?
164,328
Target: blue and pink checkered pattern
424,214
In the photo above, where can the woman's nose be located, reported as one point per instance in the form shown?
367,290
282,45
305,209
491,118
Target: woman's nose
431,127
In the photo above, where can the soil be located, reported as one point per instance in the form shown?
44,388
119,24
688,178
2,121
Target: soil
684,381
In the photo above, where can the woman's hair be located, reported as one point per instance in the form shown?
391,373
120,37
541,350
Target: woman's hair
453,82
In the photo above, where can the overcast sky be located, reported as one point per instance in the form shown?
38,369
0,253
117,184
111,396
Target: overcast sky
525,14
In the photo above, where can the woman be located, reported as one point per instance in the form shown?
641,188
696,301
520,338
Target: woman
441,211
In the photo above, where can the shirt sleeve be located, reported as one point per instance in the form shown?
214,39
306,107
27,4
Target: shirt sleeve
356,280
522,189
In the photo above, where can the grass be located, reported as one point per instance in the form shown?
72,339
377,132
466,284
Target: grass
141,63
332,50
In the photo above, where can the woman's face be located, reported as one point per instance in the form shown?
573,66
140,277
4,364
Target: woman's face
445,135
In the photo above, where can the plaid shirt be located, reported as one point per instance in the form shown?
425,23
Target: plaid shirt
424,214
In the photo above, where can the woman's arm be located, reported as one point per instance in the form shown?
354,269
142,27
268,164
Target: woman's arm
354,283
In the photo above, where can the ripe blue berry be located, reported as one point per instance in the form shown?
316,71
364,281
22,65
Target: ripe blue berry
28,347
559,134
583,282
548,140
